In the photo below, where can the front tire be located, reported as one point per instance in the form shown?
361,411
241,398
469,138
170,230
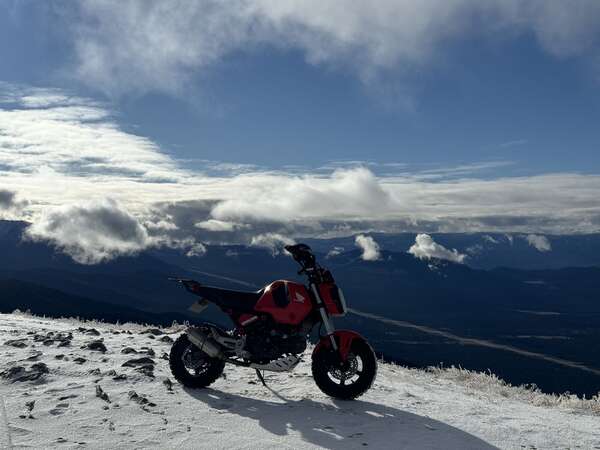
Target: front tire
345,380
191,366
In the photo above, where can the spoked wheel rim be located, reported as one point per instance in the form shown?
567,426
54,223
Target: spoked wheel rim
195,361
346,373
345,379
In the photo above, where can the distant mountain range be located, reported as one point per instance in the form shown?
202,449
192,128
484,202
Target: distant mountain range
24,296
552,310
491,250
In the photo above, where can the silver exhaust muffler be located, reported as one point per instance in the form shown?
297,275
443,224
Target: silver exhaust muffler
205,343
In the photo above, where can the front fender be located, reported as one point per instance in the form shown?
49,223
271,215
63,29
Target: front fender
344,339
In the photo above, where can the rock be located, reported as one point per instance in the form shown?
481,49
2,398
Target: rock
121,377
168,384
19,343
152,331
43,337
79,360
140,399
166,339
147,370
101,394
20,374
63,339
29,405
89,331
95,371
138,362
59,356
110,373
13,372
148,351
34,356
164,356
97,346
40,367
128,350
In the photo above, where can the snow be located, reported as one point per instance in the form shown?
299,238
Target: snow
406,408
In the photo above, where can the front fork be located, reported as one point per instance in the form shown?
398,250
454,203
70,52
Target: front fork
329,328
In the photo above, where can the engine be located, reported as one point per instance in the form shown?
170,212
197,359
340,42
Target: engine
266,341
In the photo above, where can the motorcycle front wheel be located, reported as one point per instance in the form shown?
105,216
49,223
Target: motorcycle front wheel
348,379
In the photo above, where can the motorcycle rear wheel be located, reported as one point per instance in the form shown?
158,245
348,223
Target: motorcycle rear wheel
349,379
192,367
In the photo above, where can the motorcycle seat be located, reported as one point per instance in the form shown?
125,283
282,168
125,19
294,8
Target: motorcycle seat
242,301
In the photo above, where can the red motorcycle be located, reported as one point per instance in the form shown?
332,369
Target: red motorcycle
271,333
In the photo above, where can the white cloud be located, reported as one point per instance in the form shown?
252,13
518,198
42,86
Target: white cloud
219,225
165,224
426,248
155,45
370,248
345,193
92,232
196,249
7,199
11,206
71,150
97,231
539,242
271,241
334,252
490,239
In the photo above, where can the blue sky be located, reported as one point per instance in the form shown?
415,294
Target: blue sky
432,115
486,99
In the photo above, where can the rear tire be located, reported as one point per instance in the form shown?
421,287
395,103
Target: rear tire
192,367
349,380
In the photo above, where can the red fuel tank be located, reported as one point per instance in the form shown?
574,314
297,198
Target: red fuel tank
286,301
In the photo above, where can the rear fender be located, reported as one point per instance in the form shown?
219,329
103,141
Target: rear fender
344,339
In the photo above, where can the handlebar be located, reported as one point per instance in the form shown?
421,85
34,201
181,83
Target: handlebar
303,255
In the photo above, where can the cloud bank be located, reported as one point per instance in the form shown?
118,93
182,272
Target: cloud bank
539,242
90,233
59,151
370,248
272,241
7,199
426,248
144,45
10,205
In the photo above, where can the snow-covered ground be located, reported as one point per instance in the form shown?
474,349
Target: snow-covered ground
57,390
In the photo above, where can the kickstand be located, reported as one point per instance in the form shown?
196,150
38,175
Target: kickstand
260,377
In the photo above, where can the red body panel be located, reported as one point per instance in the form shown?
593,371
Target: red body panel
298,305
344,339
325,291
